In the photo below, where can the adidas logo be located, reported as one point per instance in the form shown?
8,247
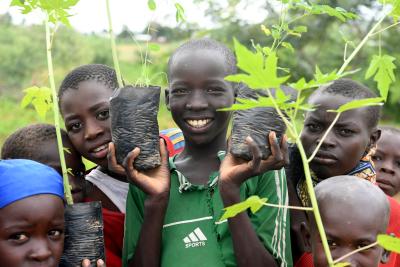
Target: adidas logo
195,239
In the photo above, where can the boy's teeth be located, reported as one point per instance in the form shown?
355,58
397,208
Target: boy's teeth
198,123
100,148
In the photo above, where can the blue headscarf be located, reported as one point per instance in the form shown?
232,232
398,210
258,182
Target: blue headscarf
22,178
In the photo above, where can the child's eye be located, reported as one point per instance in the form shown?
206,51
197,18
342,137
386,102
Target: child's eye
74,127
361,245
179,91
397,164
103,115
376,158
55,233
313,127
332,244
345,132
19,237
214,90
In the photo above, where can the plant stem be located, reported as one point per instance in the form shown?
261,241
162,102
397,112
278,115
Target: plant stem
113,46
324,137
358,48
67,187
288,207
386,28
355,251
314,203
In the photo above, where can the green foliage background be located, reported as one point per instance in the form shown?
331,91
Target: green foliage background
23,60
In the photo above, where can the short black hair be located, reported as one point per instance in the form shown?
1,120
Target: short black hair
209,44
354,90
97,72
27,142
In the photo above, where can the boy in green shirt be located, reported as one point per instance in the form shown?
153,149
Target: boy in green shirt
173,212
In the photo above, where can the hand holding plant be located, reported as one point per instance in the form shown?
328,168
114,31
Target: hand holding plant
235,171
154,182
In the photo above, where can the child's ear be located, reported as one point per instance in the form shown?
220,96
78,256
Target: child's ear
306,235
373,138
167,98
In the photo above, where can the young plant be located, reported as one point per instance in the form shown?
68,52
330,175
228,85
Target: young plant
55,13
260,70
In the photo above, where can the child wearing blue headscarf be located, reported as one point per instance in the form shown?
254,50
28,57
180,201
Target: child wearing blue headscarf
31,214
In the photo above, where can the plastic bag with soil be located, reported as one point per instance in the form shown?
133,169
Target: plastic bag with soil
84,237
134,124
257,123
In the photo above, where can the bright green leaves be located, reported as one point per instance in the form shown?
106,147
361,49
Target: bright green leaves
40,98
254,203
154,47
337,12
389,243
151,4
180,13
359,103
320,78
382,68
395,13
261,72
57,10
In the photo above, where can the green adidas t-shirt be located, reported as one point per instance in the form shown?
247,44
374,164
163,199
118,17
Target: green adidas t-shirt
192,234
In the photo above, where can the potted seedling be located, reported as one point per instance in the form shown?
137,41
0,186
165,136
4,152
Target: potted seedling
134,110
84,223
260,70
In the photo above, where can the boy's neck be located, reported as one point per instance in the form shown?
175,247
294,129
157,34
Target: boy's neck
204,151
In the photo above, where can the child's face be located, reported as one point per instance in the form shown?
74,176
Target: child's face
87,120
387,162
345,144
197,90
76,175
348,229
32,232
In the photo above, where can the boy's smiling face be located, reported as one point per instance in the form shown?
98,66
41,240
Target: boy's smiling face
32,232
86,115
197,90
387,162
345,144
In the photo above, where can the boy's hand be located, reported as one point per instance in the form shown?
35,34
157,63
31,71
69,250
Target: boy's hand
153,182
99,263
235,171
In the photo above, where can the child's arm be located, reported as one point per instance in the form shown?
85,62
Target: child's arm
155,184
249,250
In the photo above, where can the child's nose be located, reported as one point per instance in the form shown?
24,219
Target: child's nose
387,166
197,101
41,251
329,140
92,129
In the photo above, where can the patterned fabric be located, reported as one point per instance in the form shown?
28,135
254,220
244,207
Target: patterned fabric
174,139
365,169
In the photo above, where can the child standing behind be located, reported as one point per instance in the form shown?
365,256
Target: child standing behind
172,217
341,200
84,100
387,161
38,142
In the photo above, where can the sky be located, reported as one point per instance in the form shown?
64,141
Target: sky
90,15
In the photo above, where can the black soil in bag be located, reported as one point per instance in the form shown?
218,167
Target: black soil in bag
134,124
84,237
257,123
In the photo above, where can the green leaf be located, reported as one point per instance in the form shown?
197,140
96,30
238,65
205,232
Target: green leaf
288,46
154,47
180,13
383,69
152,5
300,29
88,164
389,243
266,31
254,203
261,72
359,103
66,149
395,12
40,98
